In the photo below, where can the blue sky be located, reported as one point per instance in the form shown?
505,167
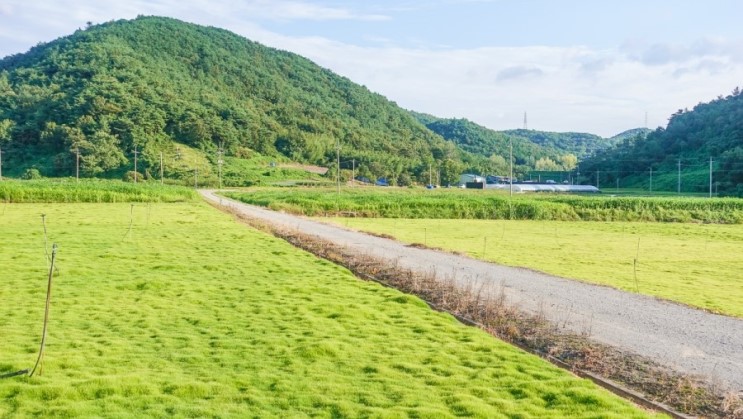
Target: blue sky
590,66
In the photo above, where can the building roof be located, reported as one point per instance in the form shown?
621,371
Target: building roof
542,187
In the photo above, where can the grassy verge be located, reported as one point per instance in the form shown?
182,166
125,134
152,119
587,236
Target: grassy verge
91,190
489,309
488,204
695,264
174,310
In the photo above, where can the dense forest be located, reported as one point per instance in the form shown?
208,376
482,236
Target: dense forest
577,143
531,150
164,86
707,139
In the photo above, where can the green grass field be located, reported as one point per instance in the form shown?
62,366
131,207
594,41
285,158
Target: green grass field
492,205
91,190
695,264
190,314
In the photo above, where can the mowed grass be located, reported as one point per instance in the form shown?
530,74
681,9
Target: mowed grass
695,264
190,314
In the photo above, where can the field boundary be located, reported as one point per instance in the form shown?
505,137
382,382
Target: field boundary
630,376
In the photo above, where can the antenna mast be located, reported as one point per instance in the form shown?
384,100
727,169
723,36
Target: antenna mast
525,125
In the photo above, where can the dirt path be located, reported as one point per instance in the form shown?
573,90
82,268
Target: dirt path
686,339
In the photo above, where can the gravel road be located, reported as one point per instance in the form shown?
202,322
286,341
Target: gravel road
686,339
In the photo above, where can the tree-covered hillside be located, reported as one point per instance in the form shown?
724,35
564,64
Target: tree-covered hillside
630,134
494,145
154,83
577,143
679,155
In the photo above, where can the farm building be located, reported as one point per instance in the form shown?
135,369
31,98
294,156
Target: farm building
545,187
470,178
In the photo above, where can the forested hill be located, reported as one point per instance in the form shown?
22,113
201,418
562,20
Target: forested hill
578,143
154,81
476,139
711,130
630,134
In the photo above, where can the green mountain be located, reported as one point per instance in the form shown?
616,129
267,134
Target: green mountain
630,134
680,154
577,143
478,140
165,86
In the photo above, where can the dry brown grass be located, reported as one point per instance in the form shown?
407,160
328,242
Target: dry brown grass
486,306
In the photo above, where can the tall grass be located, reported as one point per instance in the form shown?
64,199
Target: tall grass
465,204
91,190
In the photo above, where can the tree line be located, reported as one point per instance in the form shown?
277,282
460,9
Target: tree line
707,138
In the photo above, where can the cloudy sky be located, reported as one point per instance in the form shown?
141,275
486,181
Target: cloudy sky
571,65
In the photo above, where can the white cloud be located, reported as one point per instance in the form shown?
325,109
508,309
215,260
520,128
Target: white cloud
293,10
518,72
6,9
561,88
667,53
570,88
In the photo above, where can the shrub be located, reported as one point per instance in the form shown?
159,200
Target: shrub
31,174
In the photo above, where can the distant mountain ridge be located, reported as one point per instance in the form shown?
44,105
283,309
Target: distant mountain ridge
580,144
630,134
532,150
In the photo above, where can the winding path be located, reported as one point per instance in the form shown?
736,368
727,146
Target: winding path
683,338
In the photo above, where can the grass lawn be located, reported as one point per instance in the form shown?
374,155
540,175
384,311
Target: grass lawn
696,264
190,314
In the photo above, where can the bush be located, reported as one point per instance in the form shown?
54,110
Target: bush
31,174
129,176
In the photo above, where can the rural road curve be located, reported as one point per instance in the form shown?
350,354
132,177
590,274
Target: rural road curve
685,339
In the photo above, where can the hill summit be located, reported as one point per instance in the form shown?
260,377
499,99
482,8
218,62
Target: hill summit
155,83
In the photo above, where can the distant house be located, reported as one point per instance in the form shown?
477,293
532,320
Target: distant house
470,178
495,180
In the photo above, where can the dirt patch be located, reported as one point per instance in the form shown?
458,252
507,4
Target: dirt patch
306,167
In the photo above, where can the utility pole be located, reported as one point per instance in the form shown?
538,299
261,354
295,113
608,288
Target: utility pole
510,158
678,184
135,163
161,167
710,177
219,164
651,179
77,164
